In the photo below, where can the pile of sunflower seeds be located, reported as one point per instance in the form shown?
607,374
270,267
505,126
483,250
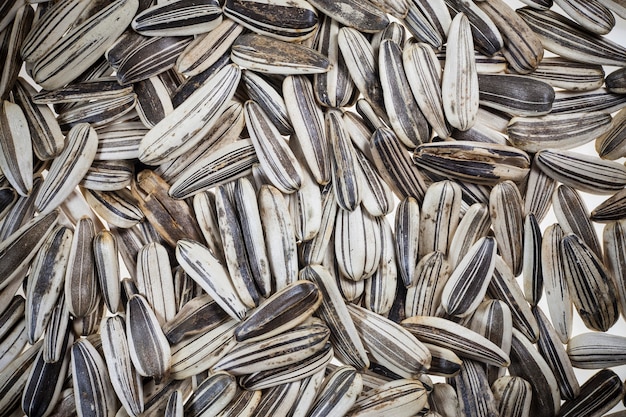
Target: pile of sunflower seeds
325,208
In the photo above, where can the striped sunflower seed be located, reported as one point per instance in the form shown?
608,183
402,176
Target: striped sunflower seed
561,36
405,117
558,359
556,288
487,37
149,349
468,282
282,311
464,342
82,45
582,172
16,148
264,54
598,394
402,397
522,48
364,17
513,396
202,265
45,283
473,162
591,15
611,144
593,291
125,380
389,344
558,131
459,84
287,348
338,394
527,363
178,18
298,18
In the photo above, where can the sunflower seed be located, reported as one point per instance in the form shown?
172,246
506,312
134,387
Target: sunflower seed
522,48
474,225
515,94
298,19
402,397
92,387
361,60
527,363
570,75
148,347
204,268
212,395
287,348
560,131
593,291
554,353
182,129
587,101
178,18
439,217
487,36
225,163
125,380
404,114
288,374
334,312
47,139
444,400
278,229
264,54
45,381
389,344
582,172
75,52
472,389
19,248
423,72
473,162
312,252
13,378
460,80
149,57
563,37
242,405
57,329
597,395
108,175
467,284
464,342
45,280
339,392
423,296
592,15
493,320
395,166
573,216
364,17
68,169
282,311
611,144
556,288
172,219
199,353
277,160
513,396
16,145
308,124
334,88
